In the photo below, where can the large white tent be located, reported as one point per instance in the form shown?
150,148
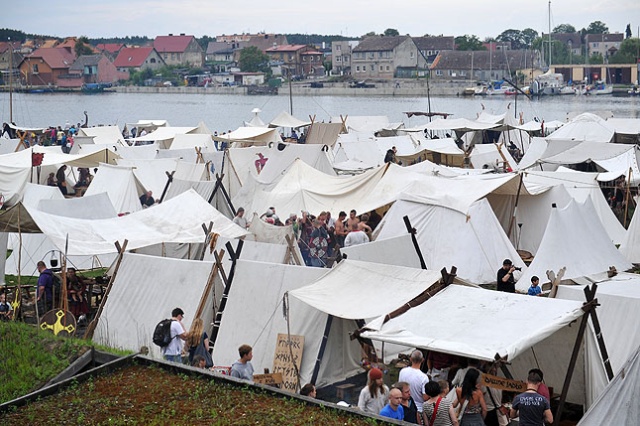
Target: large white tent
397,251
475,242
585,127
575,239
450,321
618,314
154,225
120,184
145,291
103,135
284,119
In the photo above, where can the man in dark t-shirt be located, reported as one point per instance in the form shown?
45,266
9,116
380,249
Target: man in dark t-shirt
532,408
506,282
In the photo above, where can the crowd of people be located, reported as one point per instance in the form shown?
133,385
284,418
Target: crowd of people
320,237
424,397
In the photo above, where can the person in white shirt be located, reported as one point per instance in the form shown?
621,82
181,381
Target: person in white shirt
240,220
173,351
416,379
355,237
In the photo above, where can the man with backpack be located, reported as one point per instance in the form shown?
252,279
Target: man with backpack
45,288
172,351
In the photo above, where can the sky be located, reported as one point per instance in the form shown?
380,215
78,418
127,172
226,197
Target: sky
120,18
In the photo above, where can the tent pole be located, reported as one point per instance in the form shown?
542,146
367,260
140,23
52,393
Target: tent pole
92,326
515,208
235,255
207,290
323,346
207,232
588,306
226,196
501,362
215,187
166,187
411,230
626,201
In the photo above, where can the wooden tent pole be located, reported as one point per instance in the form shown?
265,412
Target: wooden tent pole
92,326
411,230
235,255
589,305
515,209
226,196
215,187
207,232
626,200
166,187
207,290
323,347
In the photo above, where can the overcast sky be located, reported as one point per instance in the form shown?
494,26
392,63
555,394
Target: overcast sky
111,18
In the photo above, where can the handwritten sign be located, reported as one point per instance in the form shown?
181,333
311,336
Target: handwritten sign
287,360
502,383
272,379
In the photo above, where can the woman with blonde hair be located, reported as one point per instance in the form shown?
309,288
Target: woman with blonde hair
195,337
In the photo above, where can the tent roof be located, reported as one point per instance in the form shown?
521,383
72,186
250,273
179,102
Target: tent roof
364,123
585,127
184,141
120,183
511,314
461,124
367,282
588,151
53,156
164,133
575,239
103,134
96,206
284,119
150,226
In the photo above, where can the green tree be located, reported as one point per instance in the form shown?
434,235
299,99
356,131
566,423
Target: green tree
596,58
82,47
628,53
204,41
564,28
511,36
370,34
391,32
528,35
597,27
253,60
469,42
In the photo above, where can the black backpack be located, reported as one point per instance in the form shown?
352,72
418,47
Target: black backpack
162,333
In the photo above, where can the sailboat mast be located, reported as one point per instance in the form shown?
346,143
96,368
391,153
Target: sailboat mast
10,81
549,34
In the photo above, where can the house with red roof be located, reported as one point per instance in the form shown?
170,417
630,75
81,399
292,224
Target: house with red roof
89,69
45,65
110,49
136,59
179,50
297,59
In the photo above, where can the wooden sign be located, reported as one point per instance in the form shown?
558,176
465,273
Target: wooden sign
502,383
271,379
287,360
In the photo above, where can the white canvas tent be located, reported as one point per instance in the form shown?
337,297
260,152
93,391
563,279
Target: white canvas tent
103,135
618,403
466,310
585,127
397,251
618,314
191,141
475,242
129,318
284,119
120,184
248,136
575,239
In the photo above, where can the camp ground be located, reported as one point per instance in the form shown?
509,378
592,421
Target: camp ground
459,196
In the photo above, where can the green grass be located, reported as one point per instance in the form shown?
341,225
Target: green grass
31,357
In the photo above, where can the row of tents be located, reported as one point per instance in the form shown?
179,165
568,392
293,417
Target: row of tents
470,218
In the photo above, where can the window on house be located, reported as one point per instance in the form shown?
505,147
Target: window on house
339,59
381,68
411,54
438,72
338,47
152,60
357,68
463,73
35,69
372,55
372,68
380,54
450,72
387,67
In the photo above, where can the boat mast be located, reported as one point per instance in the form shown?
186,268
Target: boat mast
549,35
10,81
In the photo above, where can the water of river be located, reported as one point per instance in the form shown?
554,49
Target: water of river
225,112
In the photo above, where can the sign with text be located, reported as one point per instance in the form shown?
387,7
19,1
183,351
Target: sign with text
272,379
502,383
288,359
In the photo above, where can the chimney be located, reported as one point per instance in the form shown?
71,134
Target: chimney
170,35
181,34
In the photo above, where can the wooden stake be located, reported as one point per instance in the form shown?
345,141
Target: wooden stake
166,187
92,326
